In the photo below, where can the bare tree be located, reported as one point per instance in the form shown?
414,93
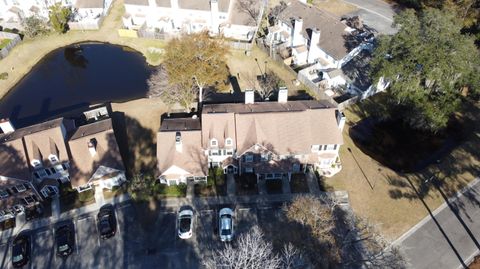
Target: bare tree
160,86
251,7
292,257
265,85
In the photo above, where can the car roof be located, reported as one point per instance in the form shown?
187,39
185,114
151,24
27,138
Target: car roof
226,223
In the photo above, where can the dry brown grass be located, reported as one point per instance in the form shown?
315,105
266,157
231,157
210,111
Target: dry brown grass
246,67
336,7
397,213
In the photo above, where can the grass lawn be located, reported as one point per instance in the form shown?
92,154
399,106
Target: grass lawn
298,184
386,197
245,67
4,43
246,184
210,188
274,186
71,199
162,191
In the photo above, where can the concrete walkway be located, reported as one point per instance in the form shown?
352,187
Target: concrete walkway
231,188
99,198
55,207
262,187
448,237
286,185
190,189
312,182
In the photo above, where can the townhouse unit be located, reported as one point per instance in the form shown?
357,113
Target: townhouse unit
231,18
44,156
269,139
13,12
310,35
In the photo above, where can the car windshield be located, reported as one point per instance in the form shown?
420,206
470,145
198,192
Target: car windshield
63,247
225,231
17,258
185,224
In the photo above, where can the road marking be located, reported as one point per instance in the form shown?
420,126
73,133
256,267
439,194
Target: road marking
118,223
77,243
98,233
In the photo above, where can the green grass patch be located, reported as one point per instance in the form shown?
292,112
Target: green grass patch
3,76
4,43
163,190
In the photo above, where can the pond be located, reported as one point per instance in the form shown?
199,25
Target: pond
74,77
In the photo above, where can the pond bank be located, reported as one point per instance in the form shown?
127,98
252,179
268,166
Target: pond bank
29,52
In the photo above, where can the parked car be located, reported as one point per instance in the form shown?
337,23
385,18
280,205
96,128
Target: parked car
225,217
64,238
21,250
106,221
185,223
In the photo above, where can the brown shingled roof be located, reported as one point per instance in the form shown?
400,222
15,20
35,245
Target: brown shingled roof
332,30
192,158
219,126
136,2
83,165
203,5
89,3
13,162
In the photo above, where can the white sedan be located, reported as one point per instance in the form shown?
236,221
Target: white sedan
185,223
225,217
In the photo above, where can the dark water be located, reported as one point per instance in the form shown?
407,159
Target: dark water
73,78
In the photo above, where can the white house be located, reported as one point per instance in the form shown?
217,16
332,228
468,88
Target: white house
13,12
175,17
88,14
312,35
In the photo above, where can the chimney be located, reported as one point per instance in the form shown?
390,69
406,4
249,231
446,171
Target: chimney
313,51
214,13
282,95
6,126
297,38
174,4
178,142
340,119
249,97
92,147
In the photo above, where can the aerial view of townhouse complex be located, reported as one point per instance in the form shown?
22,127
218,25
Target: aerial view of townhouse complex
232,134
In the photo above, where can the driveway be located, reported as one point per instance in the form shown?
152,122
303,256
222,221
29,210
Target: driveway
448,237
376,14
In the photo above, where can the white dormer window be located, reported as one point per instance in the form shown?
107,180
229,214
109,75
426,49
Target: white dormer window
36,163
213,142
20,188
228,141
53,159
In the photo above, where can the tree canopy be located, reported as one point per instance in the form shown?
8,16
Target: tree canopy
59,17
196,60
428,62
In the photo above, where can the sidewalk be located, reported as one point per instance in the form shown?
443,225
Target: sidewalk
38,223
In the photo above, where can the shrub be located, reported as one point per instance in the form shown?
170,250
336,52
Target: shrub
59,17
3,76
34,26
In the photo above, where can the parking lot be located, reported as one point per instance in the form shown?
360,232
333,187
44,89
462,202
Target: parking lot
134,246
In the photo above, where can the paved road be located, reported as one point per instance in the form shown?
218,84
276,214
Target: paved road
376,14
449,239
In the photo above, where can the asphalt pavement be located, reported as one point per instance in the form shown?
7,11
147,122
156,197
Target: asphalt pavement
376,14
448,237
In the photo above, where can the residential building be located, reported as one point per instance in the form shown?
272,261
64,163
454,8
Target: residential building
13,12
174,17
88,14
269,139
310,35
95,157
43,156
179,151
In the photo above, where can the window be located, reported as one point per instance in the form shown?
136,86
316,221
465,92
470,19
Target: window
229,152
37,176
213,142
331,147
265,157
53,159
214,152
3,193
53,170
228,141
36,163
29,200
20,188
48,171
41,173
178,138
248,170
65,166
316,148
249,158
335,147
324,147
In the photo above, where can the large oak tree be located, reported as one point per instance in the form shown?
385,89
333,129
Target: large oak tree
429,63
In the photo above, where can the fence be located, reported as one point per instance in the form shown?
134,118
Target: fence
14,40
86,25
239,45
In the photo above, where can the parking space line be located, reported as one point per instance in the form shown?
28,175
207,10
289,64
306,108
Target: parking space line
98,233
118,223
77,243
245,209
